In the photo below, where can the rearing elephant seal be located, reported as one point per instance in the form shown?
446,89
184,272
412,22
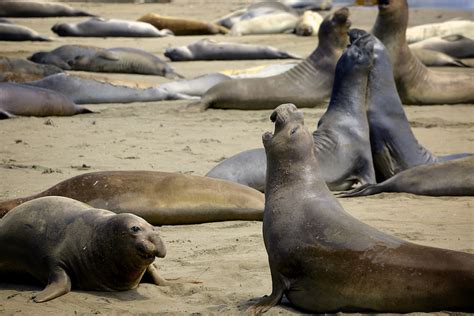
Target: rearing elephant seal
325,261
65,243
417,84
309,84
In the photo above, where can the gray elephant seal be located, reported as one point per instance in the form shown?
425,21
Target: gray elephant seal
194,87
325,261
308,84
100,27
422,32
457,46
161,198
449,178
21,70
33,9
417,84
341,141
67,244
23,100
14,32
308,4
433,58
206,49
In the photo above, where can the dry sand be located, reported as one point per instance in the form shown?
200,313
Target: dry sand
229,257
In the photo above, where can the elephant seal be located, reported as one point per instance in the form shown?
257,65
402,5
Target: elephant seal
161,198
15,32
341,141
308,24
422,32
206,49
101,27
326,261
194,87
457,46
308,84
433,58
279,22
308,4
89,91
417,84
3,20
127,60
33,9
66,244
21,70
23,100
180,26
448,178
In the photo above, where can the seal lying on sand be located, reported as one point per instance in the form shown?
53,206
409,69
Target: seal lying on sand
67,244
23,100
275,23
181,26
308,4
196,86
33,9
326,261
422,32
449,178
161,198
433,58
100,27
309,84
14,32
341,141
206,49
417,84
308,24
89,91
457,46
21,70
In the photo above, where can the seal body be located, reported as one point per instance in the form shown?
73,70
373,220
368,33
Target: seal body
194,87
457,46
20,70
322,259
308,84
161,198
70,244
279,22
100,27
33,9
422,32
180,26
23,100
308,24
14,32
433,58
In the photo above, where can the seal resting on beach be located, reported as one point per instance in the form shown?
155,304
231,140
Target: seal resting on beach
67,244
37,9
326,261
21,70
181,26
14,32
456,45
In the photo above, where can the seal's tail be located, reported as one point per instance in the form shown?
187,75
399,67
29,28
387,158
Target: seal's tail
364,190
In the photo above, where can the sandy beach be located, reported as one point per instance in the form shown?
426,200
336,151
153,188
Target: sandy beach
229,258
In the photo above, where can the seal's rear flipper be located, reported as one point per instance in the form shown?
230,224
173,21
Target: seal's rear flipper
455,156
198,106
84,111
363,190
5,115
59,284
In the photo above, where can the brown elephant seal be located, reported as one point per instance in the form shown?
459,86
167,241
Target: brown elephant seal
433,58
161,198
417,84
37,9
308,84
448,178
456,45
66,244
326,261
341,141
21,70
181,26
15,32
23,100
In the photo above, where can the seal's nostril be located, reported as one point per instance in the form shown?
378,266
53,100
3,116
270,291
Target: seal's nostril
274,116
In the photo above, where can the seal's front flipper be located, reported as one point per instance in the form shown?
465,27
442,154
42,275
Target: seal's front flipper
279,286
59,284
160,281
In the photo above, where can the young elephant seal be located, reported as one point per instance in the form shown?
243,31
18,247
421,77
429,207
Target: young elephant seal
325,261
68,244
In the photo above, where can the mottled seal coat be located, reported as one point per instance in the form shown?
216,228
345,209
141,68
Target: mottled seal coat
309,84
421,32
325,261
23,100
67,244
433,58
126,60
206,49
33,9
457,46
181,26
99,27
15,32
449,178
21,70
90,91
417,84
161,198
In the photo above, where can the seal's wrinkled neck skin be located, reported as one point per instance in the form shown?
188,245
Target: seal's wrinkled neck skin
332,34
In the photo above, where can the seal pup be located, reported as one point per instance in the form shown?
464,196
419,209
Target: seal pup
433,58
101,27
457,46
91,91
15,32
417,84
325,261
67,244
421,32
23,100
206,49
308,24
181,26
34,9
308,84
161,198
448,178
21,70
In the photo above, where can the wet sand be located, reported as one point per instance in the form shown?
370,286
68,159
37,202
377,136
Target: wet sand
229,257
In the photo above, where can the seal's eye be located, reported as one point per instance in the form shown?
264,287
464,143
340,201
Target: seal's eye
135,229
294,130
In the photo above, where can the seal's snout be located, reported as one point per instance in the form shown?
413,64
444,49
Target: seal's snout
151,248
356,34
383,2
341,16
